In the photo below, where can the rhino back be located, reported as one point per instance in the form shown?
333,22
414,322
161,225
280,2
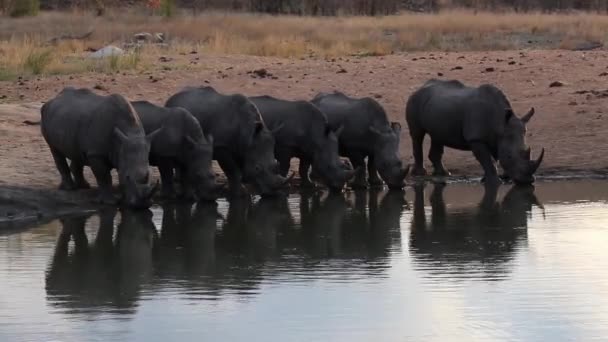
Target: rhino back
168,142
222,116
79,122
356,116
454,114
303,123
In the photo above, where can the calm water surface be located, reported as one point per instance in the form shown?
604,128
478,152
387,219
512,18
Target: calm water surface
453,263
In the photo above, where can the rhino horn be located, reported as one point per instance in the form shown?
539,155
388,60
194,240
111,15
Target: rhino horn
528,115
535,164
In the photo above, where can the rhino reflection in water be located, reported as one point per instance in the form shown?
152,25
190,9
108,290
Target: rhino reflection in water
474,240
262,241
106,274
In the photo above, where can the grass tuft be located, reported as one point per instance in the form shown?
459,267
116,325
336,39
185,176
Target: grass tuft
38,60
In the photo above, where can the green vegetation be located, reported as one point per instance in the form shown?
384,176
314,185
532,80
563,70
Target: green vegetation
22,8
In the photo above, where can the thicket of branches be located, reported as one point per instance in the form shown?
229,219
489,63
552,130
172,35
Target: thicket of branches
354,7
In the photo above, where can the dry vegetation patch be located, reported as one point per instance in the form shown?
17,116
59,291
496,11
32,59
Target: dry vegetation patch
25,47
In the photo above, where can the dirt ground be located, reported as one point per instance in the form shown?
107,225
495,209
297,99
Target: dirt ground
571,120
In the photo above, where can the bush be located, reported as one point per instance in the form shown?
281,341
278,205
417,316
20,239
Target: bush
167,8
37,61
22,8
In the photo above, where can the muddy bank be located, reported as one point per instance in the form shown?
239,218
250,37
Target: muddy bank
21,207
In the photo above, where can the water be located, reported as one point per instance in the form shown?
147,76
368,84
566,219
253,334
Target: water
441,264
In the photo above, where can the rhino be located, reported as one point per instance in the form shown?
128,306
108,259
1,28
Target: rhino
478,119
242,144
105,133
182,147
302,131
367,134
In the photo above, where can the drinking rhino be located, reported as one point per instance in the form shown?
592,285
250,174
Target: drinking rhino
367,133
478,119
302,131
182,147
242,144
103,132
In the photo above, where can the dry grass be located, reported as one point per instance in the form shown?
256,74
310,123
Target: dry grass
288,36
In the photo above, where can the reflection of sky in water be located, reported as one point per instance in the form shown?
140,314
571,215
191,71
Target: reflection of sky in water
553,286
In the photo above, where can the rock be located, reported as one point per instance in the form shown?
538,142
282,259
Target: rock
341,71
512,62
603,74
490,69
100,87
164,59
555,84
260,72
31,123
458,67
377,96
107,51
572,103
439,74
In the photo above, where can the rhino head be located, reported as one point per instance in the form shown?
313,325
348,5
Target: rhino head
386,156
326,162
133,171
199,175
513,153
261,167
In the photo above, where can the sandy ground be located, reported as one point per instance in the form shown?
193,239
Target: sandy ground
571,120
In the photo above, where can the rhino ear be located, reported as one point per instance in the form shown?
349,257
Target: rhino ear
339,130
277,128
190,141
120,134
209,139
508,114
259,126
396,127
374,130
528,116
150,137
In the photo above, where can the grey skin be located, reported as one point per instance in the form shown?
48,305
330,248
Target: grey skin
302,132
181,147
102,132
242,144
478,119
367,134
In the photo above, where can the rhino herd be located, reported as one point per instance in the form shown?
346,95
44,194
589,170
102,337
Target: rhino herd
254,139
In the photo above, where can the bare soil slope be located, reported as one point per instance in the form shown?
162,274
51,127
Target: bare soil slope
571,121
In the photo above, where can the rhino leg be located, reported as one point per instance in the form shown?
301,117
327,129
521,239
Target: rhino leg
372,173
417,141
435,156
358,162
303,171
484,157
167,178
77,168
234,175
67,183
101,170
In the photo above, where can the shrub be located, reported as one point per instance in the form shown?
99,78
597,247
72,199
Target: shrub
37,61
22,8
167,8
